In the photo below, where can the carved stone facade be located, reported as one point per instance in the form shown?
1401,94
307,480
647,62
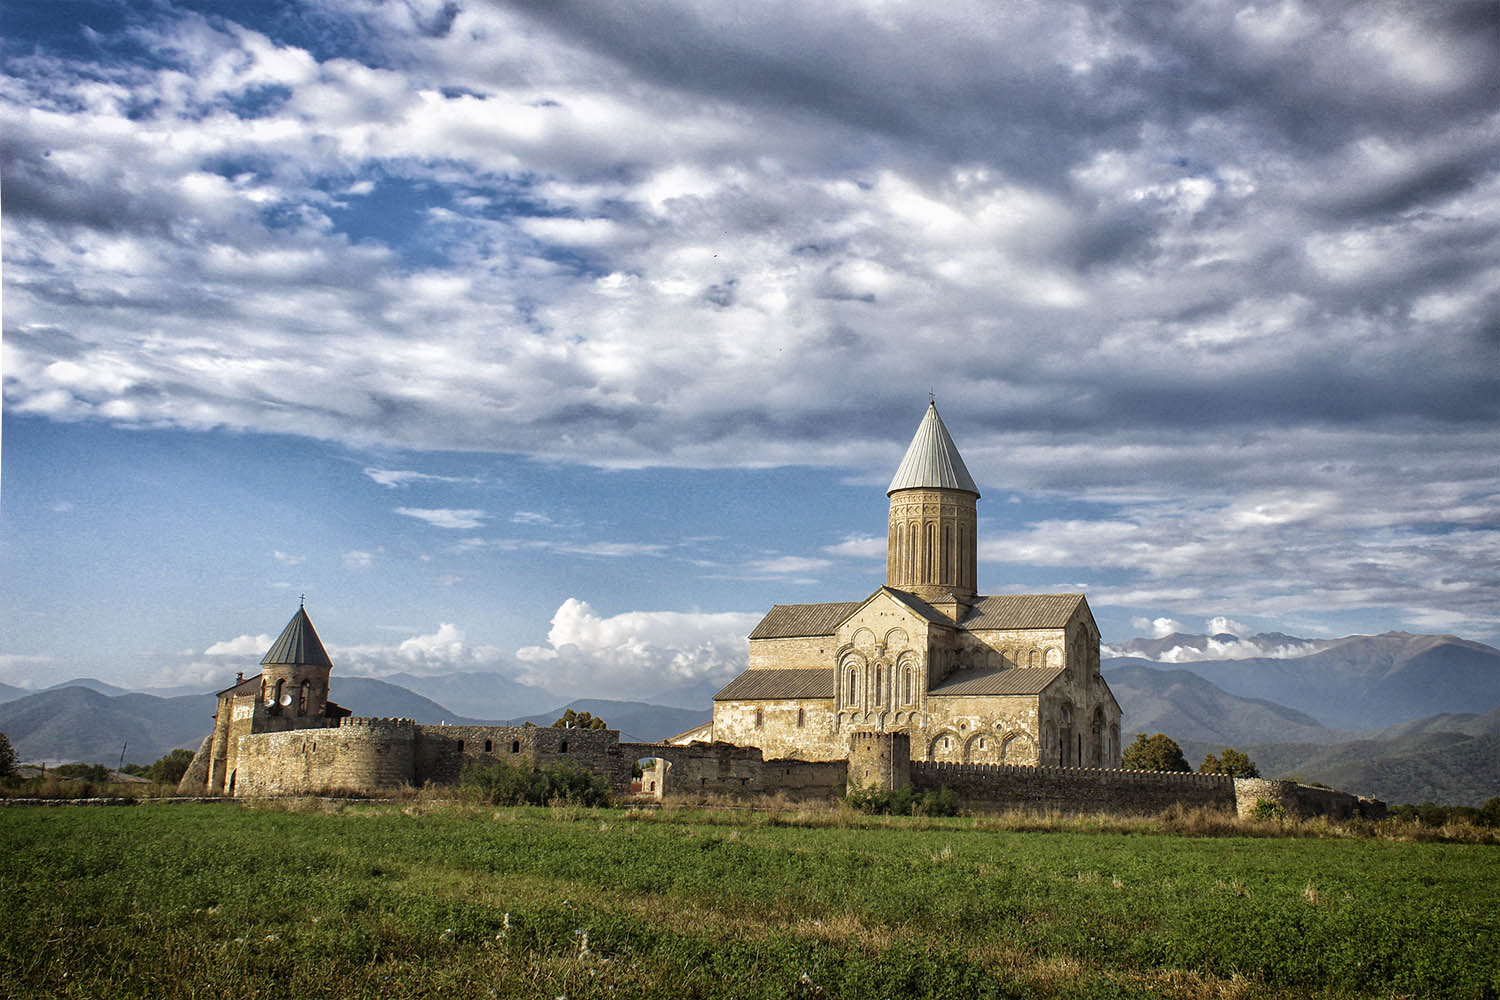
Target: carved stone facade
1007,679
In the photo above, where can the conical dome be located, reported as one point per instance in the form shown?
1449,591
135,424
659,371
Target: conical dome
298,645
932,460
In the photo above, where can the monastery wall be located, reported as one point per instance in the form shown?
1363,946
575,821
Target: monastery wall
1000,648
719,769
361,755
1298,800
442,752
1075,789
979,729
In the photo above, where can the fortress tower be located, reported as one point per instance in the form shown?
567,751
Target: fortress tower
932,551
294,672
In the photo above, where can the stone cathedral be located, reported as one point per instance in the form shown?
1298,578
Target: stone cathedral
1010,678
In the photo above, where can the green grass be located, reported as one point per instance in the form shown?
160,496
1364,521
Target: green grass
411,900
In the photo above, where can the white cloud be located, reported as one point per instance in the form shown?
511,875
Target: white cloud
858,547
1160,628
1219,625
358,559
530,517
405,477
454,520
286,559
240,645
635,653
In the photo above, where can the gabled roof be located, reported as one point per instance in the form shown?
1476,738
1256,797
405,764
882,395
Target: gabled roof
756,684
987,680
1021,611
932,460
788,621
249,685
298,645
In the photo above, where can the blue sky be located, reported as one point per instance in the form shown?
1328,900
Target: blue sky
562,340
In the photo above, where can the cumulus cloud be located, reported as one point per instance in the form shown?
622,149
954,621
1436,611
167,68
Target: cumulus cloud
1219,625
286,558
858,547
453,520
359,559
636,653
241,645
1159,628
1230,268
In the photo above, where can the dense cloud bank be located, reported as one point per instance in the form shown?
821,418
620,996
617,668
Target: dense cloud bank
1228,270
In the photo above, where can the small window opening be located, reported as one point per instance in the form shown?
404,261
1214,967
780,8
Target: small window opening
515,746
563,748
460,746
760,717
801,717
489,746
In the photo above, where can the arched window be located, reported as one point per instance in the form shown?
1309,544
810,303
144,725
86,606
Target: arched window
851,687
489,746
760,717
302,694
280,686
515,746
801,717
906,687
563,748
877,684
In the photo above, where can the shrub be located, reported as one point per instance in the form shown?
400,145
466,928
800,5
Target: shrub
505,784
88,772
1266,810
905,801
7,757
170,768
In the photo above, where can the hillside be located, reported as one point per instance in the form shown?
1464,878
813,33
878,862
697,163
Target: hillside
76,723
1363,682
1192,709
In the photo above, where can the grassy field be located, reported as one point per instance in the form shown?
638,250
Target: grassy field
412,900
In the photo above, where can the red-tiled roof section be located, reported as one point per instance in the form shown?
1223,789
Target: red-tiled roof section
788,621
1021,611
1013,680
753,685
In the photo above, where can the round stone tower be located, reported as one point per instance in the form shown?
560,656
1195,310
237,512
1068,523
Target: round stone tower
294,673
932,550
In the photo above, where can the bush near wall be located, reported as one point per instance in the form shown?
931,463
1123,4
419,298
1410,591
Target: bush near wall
505,784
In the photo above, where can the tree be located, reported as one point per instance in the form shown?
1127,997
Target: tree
1231,762
579,720
1154,753
7,757
170,768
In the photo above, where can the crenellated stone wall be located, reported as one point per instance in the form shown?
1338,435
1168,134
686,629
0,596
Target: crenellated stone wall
1298,800
1075,789
702,770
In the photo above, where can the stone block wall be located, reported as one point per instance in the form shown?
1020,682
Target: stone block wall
1075,789
701,770
1301,801
442,752
361,755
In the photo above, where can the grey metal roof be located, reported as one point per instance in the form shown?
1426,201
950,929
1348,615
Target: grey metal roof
987,680
787,621
757,684
932,460
1021,611
298,645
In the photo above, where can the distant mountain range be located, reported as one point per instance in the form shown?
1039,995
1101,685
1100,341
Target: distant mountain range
84,721
1360,682
1406,718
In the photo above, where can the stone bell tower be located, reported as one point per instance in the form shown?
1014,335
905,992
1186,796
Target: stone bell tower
294,672
932,550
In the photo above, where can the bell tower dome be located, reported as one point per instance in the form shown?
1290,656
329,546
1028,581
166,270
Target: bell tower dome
932,550
294,672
